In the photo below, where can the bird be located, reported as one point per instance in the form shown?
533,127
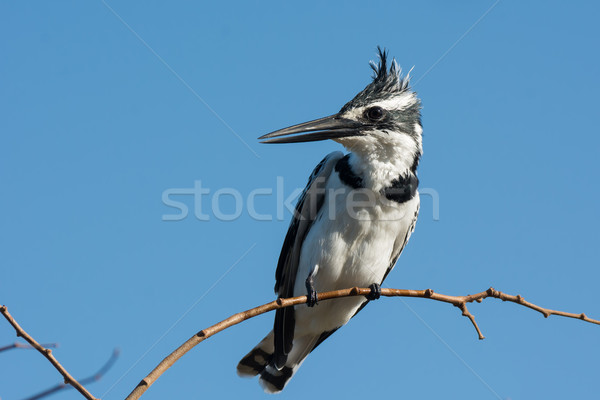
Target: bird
351,222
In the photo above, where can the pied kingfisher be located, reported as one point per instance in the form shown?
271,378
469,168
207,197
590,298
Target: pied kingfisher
351,222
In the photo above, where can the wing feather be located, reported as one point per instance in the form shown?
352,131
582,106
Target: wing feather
307,209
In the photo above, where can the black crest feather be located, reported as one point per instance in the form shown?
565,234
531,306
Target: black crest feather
386,82
380,69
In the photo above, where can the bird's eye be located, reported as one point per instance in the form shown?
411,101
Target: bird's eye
374,113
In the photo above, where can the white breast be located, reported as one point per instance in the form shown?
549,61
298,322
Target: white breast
352,246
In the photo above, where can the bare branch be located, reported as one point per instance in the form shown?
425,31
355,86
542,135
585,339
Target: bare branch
69,380
19,345
458,301
90,379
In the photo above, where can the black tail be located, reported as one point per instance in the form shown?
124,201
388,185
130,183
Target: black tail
258,358
259,362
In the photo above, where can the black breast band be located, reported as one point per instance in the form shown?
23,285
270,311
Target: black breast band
342,167
401,190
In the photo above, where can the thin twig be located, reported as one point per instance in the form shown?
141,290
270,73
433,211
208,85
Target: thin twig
19,345
458,301
69,380
85,381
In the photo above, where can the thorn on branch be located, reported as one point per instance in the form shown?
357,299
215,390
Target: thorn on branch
520,299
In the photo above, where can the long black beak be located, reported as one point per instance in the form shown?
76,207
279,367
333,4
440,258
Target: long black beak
331,127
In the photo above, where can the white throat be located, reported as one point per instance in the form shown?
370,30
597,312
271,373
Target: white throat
380,157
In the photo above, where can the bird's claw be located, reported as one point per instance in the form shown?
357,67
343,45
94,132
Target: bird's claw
312,298
375,291
311,293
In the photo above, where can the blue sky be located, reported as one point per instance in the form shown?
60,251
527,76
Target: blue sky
99,120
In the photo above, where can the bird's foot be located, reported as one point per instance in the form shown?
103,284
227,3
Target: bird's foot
312,298
375,291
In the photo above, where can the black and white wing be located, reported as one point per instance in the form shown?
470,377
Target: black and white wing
307,209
